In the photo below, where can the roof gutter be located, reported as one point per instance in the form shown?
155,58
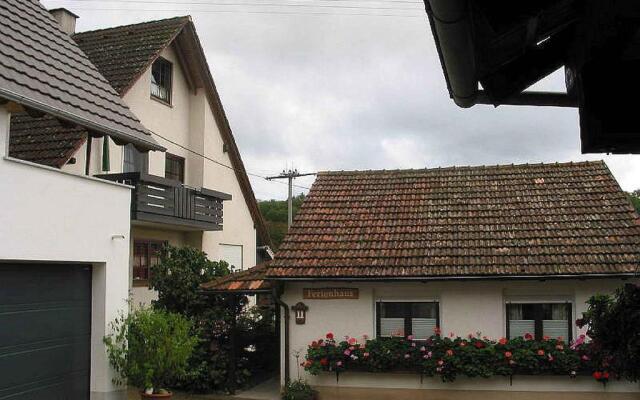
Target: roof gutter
451,27
455,278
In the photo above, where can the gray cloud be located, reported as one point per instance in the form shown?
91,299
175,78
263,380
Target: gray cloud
354,92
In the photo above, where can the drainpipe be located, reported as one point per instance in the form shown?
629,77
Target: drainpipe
451,27
279,302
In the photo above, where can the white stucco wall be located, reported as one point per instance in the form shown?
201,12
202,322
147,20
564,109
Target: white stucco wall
52,216
465,307
189,121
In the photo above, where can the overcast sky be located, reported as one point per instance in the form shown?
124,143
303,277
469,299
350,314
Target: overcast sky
332,91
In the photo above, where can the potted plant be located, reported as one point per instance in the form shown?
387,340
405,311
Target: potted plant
299,390
149,349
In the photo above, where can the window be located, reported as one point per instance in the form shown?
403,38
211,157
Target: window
539,319
146,254
174,168
232,254
403,318
134,160
161,80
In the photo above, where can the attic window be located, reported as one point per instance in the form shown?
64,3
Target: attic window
161,80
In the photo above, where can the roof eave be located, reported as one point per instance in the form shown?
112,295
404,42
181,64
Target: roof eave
454,278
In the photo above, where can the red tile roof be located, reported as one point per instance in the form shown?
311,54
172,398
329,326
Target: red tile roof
250,280
511,220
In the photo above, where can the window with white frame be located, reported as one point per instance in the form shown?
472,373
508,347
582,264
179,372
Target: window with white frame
403,318
540,319
232,254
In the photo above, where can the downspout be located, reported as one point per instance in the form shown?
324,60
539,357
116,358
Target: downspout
451,27
279,302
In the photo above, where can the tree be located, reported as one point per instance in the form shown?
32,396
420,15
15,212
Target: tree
635,199
275,214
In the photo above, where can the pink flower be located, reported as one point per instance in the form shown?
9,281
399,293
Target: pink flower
540,352
470,336
559,347
423,348
528,336
440,362
406,356
449,352
503,341
546,338
352,348
429,354
579,341
352,341
365,355
347,352
365,337
339,364
550,358
585,357
462,343
410,337
329,335
507,354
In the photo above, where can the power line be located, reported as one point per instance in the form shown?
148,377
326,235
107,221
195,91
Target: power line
221,163
272,12
251,4
289,175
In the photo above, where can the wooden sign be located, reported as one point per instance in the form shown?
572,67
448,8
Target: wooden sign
329,293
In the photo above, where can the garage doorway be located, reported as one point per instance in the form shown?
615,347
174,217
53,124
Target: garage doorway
45,331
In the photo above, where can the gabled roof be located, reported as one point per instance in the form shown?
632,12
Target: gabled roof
461,222
251,280
123,54
42,69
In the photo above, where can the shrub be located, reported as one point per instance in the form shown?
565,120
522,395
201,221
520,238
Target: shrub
449,357
613,323
149,348
298,390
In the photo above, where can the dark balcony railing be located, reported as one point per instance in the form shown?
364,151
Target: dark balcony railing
160,200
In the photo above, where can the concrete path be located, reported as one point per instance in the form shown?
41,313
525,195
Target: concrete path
267,390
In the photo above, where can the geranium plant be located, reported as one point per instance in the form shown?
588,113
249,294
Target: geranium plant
450,357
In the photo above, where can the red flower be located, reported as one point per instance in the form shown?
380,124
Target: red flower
597,375
330,336
314,344
540,352
462,343
528,336
479,345
546,338
324,362
605,375
503,341
507,354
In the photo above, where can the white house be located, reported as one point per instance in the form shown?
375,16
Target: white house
64,238
182,195
501,250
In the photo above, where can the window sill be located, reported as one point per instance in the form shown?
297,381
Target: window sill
141,283
159,100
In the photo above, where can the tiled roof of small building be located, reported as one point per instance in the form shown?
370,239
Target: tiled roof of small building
510,220
43,69
249,280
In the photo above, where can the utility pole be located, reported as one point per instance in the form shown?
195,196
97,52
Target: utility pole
290,175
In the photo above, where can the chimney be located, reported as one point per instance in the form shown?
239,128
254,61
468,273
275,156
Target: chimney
66,19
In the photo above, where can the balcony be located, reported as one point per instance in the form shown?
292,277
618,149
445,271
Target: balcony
157,200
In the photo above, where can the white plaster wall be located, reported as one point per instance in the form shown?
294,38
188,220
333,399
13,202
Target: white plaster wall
465,307
52,216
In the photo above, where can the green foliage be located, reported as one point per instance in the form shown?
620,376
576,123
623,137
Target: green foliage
614,325
635,199
275,215
178,278
298,390
449,357
150,348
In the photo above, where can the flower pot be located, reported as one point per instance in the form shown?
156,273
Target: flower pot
154,396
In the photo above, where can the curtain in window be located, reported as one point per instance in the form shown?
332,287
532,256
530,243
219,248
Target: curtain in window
558,325
518,326
391,326
423,328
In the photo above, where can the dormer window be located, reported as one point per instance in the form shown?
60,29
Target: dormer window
161,80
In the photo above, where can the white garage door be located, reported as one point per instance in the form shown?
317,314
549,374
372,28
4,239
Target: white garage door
232,254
